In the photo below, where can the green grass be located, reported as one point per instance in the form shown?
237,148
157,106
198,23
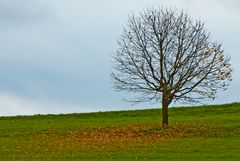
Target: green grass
195,133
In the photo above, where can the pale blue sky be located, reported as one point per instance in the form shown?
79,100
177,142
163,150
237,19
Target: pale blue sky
55,55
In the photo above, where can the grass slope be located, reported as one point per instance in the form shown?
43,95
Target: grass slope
195,133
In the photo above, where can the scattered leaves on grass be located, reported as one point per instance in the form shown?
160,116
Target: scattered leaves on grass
79,141
101,139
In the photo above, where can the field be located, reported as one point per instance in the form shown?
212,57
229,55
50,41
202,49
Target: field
195,133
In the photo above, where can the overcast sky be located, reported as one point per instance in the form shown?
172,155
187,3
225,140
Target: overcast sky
55,54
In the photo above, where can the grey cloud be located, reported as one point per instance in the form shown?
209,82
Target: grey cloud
15,12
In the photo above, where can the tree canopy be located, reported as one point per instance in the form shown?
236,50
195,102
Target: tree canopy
164,55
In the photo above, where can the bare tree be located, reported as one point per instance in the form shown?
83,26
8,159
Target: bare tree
165,56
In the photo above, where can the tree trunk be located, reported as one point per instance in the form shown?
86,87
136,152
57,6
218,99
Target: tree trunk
164,112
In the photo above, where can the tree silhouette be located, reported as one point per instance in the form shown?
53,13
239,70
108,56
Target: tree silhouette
165,56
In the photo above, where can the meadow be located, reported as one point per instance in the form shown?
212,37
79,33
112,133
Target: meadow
208,133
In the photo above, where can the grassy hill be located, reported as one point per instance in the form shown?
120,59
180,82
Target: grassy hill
195,133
